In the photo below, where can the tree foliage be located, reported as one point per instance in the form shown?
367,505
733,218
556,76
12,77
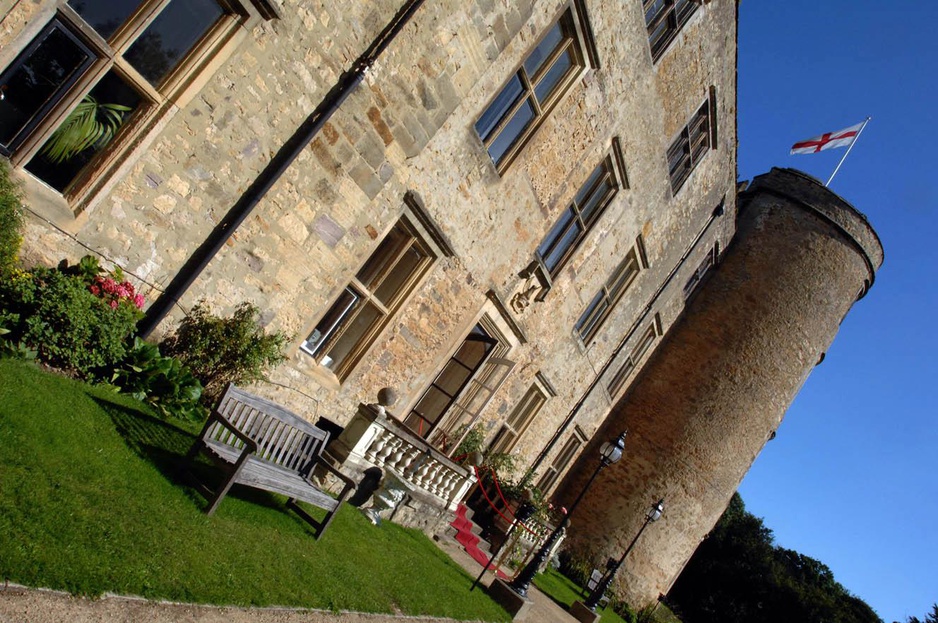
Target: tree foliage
929,618
739,575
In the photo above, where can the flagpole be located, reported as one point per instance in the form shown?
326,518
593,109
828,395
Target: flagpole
852,143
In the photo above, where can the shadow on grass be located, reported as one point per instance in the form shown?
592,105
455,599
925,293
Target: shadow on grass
164,444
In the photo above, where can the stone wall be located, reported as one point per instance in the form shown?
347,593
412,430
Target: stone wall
410,127
719,385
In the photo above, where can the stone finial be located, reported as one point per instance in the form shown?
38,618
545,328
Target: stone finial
387,397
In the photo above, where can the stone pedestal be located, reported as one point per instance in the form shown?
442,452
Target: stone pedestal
583,614
515,604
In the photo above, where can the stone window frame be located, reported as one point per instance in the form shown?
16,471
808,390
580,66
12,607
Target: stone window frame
577,39
174,90
613,165
645,341
664,19
601,306
382,260
709,261
516,424
692,144
568,453
465,405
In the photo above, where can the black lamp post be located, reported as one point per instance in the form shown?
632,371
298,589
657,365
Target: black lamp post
593,600
610,452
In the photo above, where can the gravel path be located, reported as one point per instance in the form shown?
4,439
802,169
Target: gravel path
19,605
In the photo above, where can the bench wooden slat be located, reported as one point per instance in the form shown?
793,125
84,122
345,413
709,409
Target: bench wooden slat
263,475
260,444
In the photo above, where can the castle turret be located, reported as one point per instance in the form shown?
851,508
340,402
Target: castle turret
717,388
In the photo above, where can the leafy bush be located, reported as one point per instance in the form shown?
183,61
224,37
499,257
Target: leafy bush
161,381
11,220
221,350
14,350
70,327
474,441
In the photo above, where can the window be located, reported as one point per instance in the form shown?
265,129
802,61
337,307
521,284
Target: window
651,333
689,148
601,306
462,389
580,216
367,303
548,72
705,264
664,19
95,70
561,461
517,423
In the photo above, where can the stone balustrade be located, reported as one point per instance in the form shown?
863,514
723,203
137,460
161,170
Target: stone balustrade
372,439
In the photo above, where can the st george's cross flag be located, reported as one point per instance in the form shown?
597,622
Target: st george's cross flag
830,140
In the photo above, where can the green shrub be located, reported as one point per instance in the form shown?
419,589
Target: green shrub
219,350
68,325
13,350
11,220
161,381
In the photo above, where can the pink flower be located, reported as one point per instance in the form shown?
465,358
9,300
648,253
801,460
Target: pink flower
138,301
95,290
113,304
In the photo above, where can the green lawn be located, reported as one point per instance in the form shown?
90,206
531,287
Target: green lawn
88,504
562,590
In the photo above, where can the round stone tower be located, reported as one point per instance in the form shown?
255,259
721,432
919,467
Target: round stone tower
718,386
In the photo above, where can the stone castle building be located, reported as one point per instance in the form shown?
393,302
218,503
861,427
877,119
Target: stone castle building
506,211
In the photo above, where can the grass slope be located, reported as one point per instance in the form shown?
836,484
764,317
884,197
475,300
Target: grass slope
88,504
563,591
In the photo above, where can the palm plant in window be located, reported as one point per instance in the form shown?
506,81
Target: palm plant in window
90,124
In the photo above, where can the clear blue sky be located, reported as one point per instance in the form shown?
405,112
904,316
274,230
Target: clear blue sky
852,477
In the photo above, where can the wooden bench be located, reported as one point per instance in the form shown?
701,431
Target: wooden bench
260,444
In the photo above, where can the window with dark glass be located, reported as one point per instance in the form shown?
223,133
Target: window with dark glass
517,423
367,303
663,20
602,304
561,461
575,222
532,92
702,269
461,389
651,333
689,148
90,72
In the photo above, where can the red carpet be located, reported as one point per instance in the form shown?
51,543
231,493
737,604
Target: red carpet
468,540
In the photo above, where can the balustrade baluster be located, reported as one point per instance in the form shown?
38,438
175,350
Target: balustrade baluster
400,449
409,457
420,476
436,482
377,445
393,442
448,484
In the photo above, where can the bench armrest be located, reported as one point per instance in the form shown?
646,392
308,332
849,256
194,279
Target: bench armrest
250,446
332,470
349,483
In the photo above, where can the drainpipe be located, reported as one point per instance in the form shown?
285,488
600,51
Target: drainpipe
291,149
718,212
